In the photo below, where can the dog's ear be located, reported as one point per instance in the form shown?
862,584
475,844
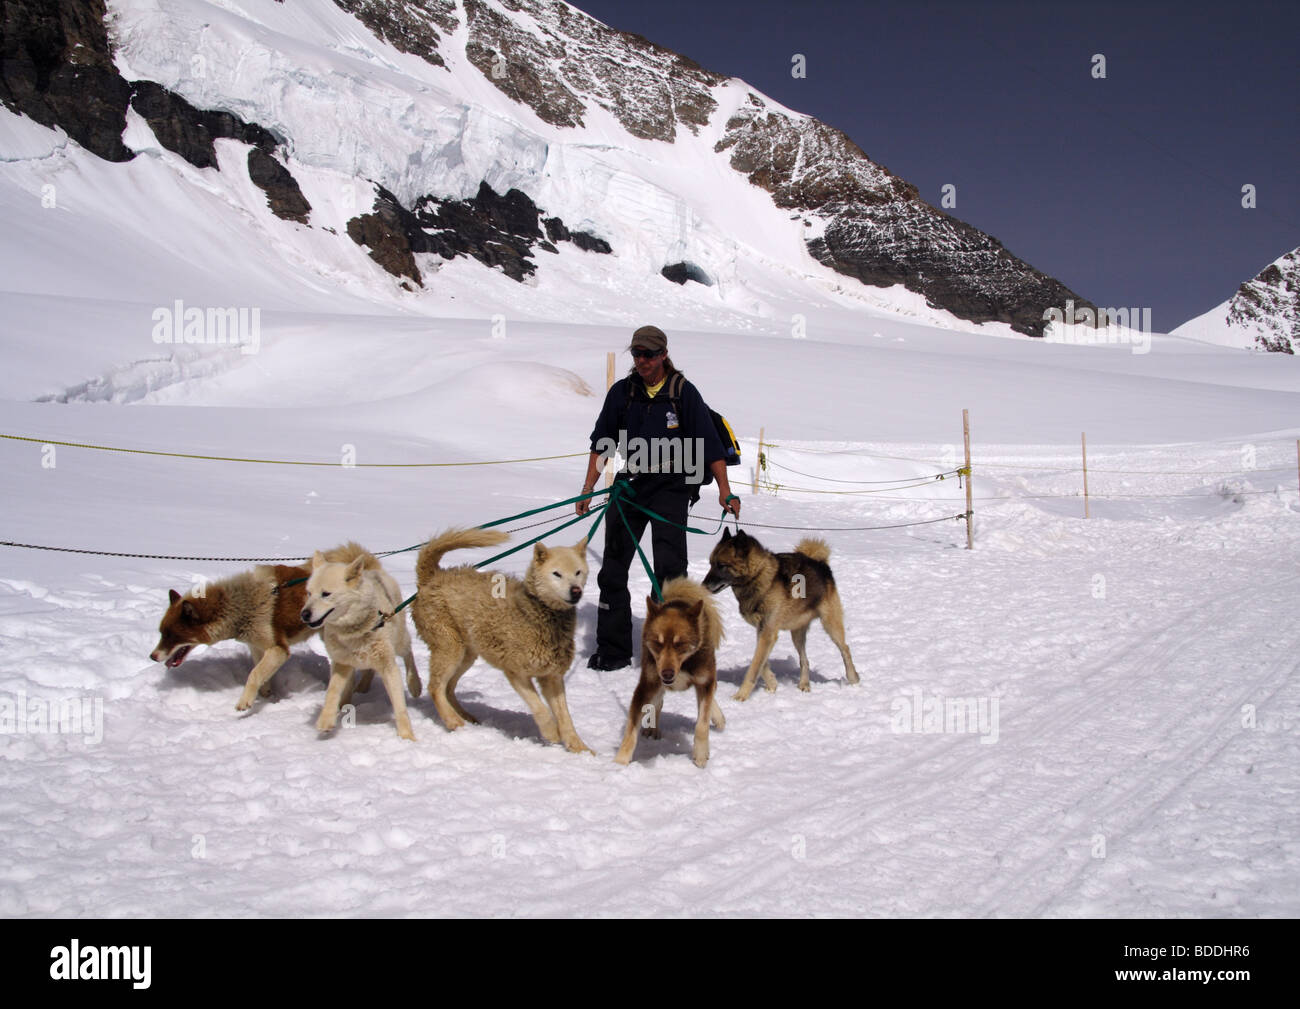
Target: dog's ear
695,609
581,545
651,607
726,534
354,569
172,597
539,552
317,560
188,612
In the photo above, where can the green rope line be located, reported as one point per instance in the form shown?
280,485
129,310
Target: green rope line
515,549
485,525
659,518
535,539
600,514
557,504
654,582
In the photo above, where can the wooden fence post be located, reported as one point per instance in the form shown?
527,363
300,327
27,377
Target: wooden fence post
1085,475
758,461
965,434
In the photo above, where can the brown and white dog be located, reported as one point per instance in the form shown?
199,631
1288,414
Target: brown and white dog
248,608
679,644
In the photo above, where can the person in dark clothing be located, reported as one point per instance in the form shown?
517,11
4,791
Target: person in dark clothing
659,424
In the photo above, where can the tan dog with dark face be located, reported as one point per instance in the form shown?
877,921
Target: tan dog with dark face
679,644
258,608
524,628
779,592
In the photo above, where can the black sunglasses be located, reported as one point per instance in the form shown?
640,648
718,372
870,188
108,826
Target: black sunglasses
641,354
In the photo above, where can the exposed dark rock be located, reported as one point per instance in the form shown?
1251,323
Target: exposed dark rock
956,267
680,273
1269,306
385,232
499,230
56,67
584,240
410,26
806,164
281,188
878,230
521,65
588,242
571,59
555,229
190,132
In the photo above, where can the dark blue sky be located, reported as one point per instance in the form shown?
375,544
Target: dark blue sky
1128,189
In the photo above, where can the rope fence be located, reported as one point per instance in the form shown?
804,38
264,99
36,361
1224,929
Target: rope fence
290,462
879,489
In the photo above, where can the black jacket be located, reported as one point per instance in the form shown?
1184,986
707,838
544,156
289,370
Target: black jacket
649,433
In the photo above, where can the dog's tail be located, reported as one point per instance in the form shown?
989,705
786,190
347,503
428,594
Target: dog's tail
426,565
690,592
347,553
814,547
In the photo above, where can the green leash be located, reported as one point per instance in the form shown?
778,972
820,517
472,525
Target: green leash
489,525
690,529
654,582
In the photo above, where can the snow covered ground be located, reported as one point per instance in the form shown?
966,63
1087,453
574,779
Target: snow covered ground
1135,671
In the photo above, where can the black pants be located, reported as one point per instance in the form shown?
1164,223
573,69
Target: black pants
670,498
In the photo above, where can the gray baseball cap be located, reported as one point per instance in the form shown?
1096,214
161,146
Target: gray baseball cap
649,338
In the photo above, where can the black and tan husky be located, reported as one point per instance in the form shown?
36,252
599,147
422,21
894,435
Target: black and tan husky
779,592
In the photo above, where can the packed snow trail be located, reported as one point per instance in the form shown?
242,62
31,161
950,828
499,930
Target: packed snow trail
1119,717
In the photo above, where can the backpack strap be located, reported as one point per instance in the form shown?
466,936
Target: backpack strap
676,382
674,390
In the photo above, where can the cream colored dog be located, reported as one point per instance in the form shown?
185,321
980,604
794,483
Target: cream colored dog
524,628
353,605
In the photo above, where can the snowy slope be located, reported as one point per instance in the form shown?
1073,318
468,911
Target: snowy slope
1264,314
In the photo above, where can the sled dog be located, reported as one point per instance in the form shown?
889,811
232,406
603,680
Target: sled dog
679,642
779,592
524,628
354,606
249,608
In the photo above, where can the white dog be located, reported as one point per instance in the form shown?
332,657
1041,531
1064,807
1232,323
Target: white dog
353,605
